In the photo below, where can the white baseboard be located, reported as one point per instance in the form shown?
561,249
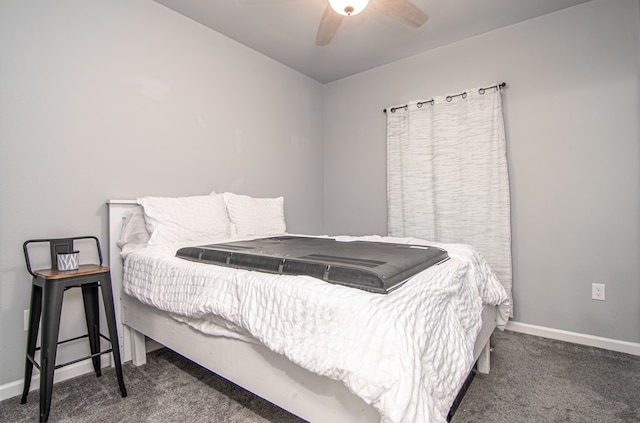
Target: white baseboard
576,338
12,389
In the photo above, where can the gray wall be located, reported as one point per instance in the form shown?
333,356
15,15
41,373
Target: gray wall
571,110
122,98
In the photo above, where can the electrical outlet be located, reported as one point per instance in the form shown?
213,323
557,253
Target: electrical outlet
597,291
26,320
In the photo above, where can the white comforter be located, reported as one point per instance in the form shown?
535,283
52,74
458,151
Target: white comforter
405,353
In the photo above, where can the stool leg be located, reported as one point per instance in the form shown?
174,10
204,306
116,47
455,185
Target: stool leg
32,338
107,298
90,298
51,308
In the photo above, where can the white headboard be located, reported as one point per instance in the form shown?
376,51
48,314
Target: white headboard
118,210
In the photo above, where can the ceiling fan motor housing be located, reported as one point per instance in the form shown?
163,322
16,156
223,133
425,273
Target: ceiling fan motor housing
401,10
348,7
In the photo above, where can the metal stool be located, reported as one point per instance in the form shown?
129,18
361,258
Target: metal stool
46,298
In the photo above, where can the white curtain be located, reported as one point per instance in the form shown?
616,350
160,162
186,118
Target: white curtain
447,176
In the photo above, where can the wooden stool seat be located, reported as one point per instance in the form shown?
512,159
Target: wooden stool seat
83,270
47,290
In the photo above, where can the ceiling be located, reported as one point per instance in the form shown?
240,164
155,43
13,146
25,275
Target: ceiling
285,30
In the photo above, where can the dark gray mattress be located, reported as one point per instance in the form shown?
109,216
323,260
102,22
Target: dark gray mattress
378,267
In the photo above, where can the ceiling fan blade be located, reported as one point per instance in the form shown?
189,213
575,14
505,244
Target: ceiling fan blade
402,10
329,24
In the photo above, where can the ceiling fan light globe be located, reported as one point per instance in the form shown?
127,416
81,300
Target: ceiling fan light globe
348,7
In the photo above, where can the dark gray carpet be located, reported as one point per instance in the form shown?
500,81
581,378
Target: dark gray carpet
536,379
532,380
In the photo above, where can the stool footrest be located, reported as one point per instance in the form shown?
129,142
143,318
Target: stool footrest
35,363
84,358
70,340
32,359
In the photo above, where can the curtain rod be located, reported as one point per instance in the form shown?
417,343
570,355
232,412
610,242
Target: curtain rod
449,97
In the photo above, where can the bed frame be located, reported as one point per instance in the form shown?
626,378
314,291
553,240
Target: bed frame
252,366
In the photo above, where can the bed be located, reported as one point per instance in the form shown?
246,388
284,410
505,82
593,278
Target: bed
296,369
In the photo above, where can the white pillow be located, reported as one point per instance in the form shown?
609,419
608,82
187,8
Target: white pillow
256,216
183,219
134,231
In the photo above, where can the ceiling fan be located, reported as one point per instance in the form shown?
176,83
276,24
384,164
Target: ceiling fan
336,10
